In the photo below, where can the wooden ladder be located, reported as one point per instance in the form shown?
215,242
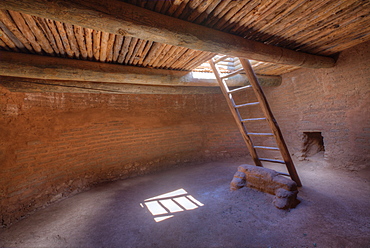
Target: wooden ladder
242,121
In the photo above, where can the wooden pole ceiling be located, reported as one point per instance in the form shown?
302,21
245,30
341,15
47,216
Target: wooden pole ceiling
120,18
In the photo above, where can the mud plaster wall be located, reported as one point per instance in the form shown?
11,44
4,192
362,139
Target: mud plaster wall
333,101
55,144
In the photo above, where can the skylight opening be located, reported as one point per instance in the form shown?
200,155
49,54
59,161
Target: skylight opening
204,71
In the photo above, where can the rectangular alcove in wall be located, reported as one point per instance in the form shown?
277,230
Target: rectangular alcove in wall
313,143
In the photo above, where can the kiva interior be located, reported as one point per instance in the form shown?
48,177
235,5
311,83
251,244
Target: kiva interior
184,123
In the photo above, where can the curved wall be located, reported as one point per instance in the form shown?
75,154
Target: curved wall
57,144
333,101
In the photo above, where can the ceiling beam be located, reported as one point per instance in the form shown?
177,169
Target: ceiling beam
28,85
42,67
52,68
120,18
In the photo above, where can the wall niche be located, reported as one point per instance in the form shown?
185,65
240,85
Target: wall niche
313,143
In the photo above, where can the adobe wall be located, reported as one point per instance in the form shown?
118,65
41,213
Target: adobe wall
56,144
333,101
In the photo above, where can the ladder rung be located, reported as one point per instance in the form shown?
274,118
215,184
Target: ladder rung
261,134
240,88
246,104
253,119
272,160
233,73
283,173
266,148
221,59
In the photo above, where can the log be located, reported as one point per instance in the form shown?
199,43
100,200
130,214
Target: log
72,39
51,68
96,44
39,85
89,42
41,22
132,50
42,67
39,34
80,37
26,31
103,46
138,54
153,53
3,45
117,47
8,22
110,44
13,39
64,39
8,41
124,49
148,45
57,38
120,18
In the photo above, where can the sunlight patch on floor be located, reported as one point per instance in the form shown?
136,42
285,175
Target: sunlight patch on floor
163,206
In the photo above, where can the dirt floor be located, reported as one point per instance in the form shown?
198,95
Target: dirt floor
334,212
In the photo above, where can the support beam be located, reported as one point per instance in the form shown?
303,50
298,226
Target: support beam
42,67
51,68
120,18
40,85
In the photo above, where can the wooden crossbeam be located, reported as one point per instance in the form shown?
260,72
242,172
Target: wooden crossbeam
28,85
120,18
51,68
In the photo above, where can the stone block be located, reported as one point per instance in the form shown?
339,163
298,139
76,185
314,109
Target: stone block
268,181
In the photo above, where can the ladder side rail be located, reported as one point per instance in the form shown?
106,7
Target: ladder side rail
270,120
236,116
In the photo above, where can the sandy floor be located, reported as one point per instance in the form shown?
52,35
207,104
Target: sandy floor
334,212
